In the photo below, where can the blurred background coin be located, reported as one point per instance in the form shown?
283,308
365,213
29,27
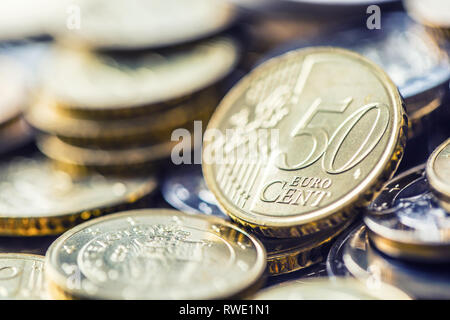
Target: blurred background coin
438,173
155,254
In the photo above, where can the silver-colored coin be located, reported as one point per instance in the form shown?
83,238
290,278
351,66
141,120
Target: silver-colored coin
22,277
353,255
186,190
155,254
405,220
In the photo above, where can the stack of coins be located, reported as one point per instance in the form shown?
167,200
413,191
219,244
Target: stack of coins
406,237
297,199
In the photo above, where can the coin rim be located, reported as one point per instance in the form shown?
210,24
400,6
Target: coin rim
441,189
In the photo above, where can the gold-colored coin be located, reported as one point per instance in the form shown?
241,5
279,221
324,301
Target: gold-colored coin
438,172
36,199
22,277
157,127
155,254
81,160
303,140
88,82
336,289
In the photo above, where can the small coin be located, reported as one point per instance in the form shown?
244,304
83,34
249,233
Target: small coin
325,289
306,149
144,24
438,173
155,254
433,13
126,81
36,199
406,221
186,190
22,277
353,255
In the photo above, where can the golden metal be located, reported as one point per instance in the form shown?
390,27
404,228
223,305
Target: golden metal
155,254
341,131
438,172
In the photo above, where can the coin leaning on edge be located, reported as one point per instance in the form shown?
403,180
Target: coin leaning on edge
341,131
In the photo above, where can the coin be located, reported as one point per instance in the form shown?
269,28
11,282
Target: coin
186,190
338,140
22,277
127,81
324,289
434,13
36,199
353,255
406,221
144,24
155,254
157,127
438,173
418,66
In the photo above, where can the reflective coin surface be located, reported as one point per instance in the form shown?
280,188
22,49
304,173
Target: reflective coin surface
143,24
135,79
155,254
405,220
31,189
294,146
438,172
353,255
434,13
186,190
22,277
325,289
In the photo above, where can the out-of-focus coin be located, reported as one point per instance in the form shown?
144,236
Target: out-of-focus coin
36,199
353,255
433,13
143,24
88,82
418,67
45,114
79,160
438,173
22,277
351,135
325,289
186,190
406,221
155,254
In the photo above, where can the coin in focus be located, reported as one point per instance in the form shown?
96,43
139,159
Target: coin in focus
438,173
325,289
36,199
406,220
22,277
312,141
155,254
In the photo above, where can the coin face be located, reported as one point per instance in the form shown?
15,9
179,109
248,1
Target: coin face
32,189
144,24
186,190
438,171
155,254
405,220
22,277
127,80
324,289
301,139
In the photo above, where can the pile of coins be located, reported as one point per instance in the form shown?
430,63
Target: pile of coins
308,186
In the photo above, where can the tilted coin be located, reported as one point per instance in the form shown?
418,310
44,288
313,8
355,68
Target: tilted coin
155,254
22,277
406,221
418,66
325,289
353,255
302,141
88,82
144,24
438,173
36,199
45,114
186,190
